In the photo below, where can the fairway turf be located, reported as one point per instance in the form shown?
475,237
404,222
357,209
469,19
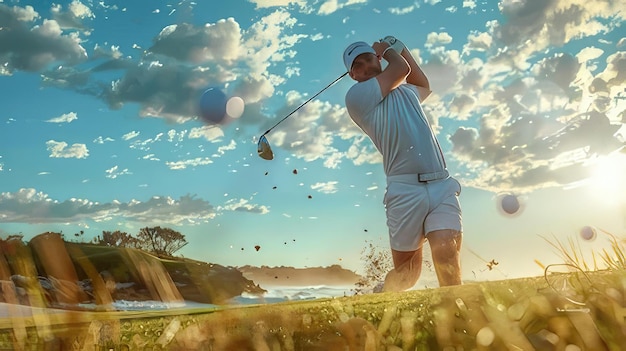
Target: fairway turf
523,314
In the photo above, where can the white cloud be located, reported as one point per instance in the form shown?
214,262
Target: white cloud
210,133
615,72
443,69
362,151
164,83
28,205
130,135
243,205
102,140
60,149
174,135
267,43
478,41
80,10
325,187
330,6
254,89
530,135
462,106
504,79
403,10
184,164
114,172
167,90
25,14
64,118
151,157
279,3
560,69
34,49
229,147
112,52
316,37
469,4
531,132
170,88
212,42
74,16
309,132
588,54
433,39
532,26
145,145
164,209
292,71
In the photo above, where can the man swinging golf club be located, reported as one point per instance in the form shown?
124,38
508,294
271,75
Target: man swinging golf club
421,199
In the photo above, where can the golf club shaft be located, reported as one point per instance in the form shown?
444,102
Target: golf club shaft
306,102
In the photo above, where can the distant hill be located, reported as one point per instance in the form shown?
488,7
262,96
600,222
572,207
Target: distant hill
69,273
290,276
65,274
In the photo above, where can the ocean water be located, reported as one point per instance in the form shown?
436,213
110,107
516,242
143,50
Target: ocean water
274,294
294,293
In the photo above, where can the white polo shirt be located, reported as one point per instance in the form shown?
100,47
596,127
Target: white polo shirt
397,126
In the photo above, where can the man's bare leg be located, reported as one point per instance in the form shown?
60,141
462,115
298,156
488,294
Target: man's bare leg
445,246
407,270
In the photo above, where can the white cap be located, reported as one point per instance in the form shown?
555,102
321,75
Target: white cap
354,50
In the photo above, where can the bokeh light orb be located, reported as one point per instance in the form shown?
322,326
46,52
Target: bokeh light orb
510,204
235,107
213,105
588,233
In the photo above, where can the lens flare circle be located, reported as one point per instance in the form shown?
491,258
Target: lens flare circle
235,107
213,105
588,233
509,204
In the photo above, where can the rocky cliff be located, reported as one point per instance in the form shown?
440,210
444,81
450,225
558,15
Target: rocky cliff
48,272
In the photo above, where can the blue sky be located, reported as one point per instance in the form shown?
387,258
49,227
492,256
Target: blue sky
99,128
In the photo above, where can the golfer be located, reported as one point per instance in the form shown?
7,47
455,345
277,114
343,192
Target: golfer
421,199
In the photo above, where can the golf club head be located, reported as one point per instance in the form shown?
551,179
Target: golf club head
264,149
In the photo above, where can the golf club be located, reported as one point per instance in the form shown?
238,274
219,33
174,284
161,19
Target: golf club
263,148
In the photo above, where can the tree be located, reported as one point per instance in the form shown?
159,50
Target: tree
161,241
116,239
79,236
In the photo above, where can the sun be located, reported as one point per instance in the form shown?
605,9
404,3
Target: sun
608,178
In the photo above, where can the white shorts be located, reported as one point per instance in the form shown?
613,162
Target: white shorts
415,209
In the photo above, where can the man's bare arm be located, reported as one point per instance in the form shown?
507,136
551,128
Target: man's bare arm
416,76
396,71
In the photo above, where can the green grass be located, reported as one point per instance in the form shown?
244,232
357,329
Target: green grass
572,253
577,304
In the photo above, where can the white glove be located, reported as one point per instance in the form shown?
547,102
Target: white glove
394,43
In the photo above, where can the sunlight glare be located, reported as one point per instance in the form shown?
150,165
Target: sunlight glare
608,179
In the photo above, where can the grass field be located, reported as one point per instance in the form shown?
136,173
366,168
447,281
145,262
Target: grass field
574,310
